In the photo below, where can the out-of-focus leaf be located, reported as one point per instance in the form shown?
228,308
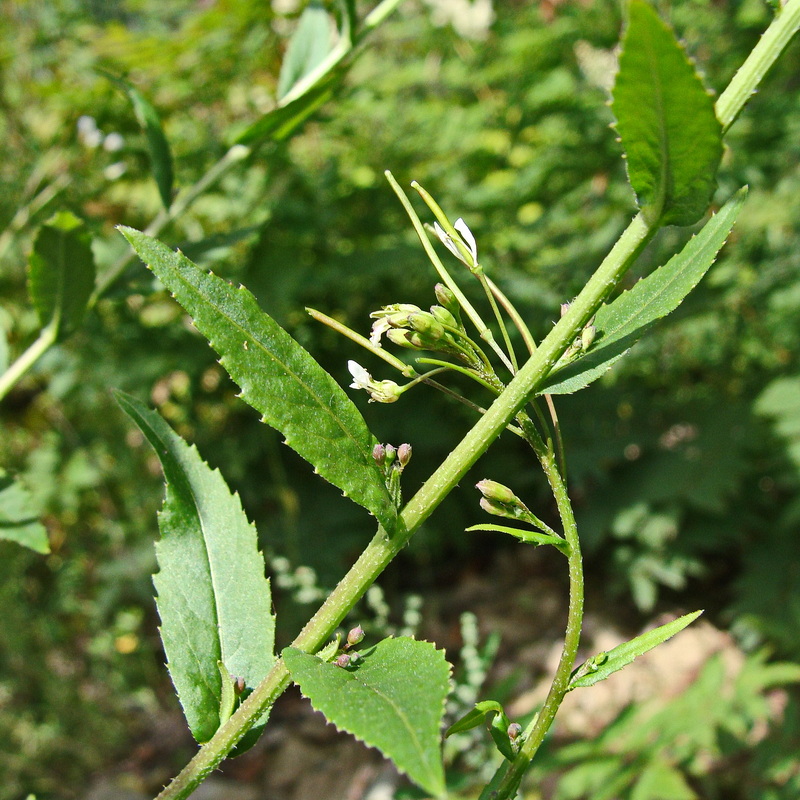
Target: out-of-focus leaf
666,120
623,322
277,377
213,599
283,120
61,273
18,518
157,144
392,699
599,667
308,47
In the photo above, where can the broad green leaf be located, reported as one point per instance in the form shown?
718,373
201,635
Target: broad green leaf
523,534
666,120
392,699
61,273
599,667
19,520
157,144
308,47
213,599
623,322
659,780
277,377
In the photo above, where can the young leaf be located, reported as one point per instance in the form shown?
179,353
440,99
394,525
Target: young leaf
524,535
157,144
18,519
392,699
61,273
623,322
213,599
666,120
476,716
308,47
277,377
622,655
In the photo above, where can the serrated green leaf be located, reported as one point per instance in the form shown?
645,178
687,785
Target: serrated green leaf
393,699
277,377
157,144
213,599
61,273
623,654
666,120
19,520
622,323
307,48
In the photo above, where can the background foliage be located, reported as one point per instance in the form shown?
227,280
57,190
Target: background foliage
683,462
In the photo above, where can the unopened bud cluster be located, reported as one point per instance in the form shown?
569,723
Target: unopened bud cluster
348,657
501,501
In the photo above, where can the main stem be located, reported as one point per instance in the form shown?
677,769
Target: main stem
382,549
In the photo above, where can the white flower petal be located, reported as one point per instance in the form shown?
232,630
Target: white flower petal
447,241
361,378
469,239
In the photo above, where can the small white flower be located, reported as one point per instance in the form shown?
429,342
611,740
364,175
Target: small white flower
467,239
113,142
361,378
379,328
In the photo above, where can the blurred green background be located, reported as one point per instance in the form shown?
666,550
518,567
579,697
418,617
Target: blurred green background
684,461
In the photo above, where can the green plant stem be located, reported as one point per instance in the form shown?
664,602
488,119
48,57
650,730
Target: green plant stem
745,82
381,550
46,339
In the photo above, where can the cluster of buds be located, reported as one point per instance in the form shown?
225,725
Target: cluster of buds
348,657
389,457
407,325
502,502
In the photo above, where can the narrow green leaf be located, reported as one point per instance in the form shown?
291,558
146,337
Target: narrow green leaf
476,716
666,120
392,699
308,46
523,534
277,377
213,599
598,669
623,322
278,123
61,273
19,520
157,144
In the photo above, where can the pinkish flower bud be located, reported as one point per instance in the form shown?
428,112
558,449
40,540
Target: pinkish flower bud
355,635
342,660
379,454
404,454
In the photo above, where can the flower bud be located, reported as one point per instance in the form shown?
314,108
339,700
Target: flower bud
442,315
587,336
343,660
446,298
379,454
494,491
514,730
354,656
402,338
238,684
391,454
355,635
564,308
427,326
404,454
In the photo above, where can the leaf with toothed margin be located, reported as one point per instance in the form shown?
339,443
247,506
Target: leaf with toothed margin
277,377
623,322
666,121
213,599
392,698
